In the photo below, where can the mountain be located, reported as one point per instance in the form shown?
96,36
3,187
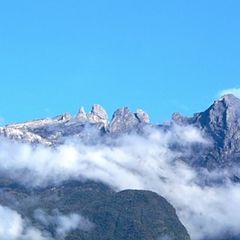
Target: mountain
220,123
125,215
128,214
84,125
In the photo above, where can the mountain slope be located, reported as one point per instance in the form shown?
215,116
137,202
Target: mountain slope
213,160
126,215
220,123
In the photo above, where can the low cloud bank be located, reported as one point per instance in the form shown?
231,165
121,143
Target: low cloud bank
14,227
132,162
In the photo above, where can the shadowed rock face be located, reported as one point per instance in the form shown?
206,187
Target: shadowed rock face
123,120
98,115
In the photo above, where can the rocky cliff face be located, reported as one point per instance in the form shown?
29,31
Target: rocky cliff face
128,214
125,121
55,130
220,123
98,115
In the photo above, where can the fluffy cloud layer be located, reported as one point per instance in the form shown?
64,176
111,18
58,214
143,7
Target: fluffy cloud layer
136,162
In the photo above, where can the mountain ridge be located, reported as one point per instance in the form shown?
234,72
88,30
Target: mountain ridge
101,204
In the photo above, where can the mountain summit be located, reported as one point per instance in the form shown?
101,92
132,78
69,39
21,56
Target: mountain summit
54,130
128,214
220,124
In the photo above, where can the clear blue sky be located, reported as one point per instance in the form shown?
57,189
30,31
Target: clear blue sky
162,56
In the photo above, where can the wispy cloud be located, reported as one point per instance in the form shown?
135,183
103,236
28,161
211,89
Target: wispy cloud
234,91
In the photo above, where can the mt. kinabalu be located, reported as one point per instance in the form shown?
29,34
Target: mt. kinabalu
55,130
131,214
220,123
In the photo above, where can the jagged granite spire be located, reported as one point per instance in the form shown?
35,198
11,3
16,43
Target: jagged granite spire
82,115
142,116
98,115
124,120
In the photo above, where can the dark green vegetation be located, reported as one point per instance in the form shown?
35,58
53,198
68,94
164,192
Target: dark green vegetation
125,215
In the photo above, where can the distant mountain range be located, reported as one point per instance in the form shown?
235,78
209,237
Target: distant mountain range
220,123
128,214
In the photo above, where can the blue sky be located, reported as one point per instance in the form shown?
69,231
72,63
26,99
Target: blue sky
162,56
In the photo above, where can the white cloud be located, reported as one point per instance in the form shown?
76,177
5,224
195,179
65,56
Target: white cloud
133,162
66,223
234,91
63,223
14,227
11,225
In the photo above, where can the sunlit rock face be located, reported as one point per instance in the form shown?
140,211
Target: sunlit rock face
209,166
220,123
84,125
124,121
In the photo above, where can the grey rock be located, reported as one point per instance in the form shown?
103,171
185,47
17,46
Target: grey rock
98,115
85,125
82,115
220,123
142,116
179,119
124,121
64,117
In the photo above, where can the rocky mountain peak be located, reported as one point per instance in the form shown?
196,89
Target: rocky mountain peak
99,111
224,113
98,115
142,116
221,124
82,115
228,103
229,99
124,120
